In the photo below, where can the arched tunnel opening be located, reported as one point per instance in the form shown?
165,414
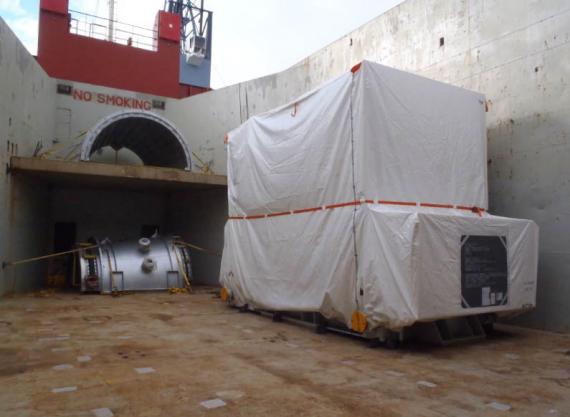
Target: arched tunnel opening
154,139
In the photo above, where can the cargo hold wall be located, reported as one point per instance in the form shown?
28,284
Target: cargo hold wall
27,115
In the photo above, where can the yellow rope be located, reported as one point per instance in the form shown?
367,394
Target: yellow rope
205,168
48,152
114,290
198,248
52,255
181,267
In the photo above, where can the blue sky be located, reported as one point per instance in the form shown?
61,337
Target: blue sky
251,38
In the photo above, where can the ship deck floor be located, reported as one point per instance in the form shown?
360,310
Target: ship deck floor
199,349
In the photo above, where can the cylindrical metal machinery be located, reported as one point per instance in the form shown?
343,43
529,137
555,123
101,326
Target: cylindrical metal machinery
134,265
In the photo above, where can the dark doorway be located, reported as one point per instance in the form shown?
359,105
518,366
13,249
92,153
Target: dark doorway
64,236
60,270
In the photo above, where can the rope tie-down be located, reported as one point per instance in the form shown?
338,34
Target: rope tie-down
85,249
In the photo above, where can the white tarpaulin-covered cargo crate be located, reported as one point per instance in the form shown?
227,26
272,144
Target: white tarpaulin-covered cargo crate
369,195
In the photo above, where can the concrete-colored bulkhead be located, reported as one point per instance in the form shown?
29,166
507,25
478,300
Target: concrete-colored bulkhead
154,139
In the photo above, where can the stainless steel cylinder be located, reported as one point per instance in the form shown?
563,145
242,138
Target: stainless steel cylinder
134,265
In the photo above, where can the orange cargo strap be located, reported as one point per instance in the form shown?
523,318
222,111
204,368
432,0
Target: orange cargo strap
356,68
397,203
436,205
476,210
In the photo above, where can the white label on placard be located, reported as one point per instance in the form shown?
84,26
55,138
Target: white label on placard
485,292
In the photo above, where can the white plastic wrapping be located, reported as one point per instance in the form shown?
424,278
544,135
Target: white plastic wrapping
295,156
357,197
301,262
418,140
410,263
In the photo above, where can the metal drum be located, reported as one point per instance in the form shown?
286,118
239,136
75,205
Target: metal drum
134,265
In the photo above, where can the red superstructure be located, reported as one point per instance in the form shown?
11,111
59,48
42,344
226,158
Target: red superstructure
75,57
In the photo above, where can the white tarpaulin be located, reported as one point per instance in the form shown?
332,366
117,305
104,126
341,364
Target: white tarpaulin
369,194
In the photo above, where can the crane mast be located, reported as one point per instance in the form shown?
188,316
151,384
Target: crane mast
195,29
110,34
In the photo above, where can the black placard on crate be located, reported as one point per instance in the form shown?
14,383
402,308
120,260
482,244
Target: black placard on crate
484,271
